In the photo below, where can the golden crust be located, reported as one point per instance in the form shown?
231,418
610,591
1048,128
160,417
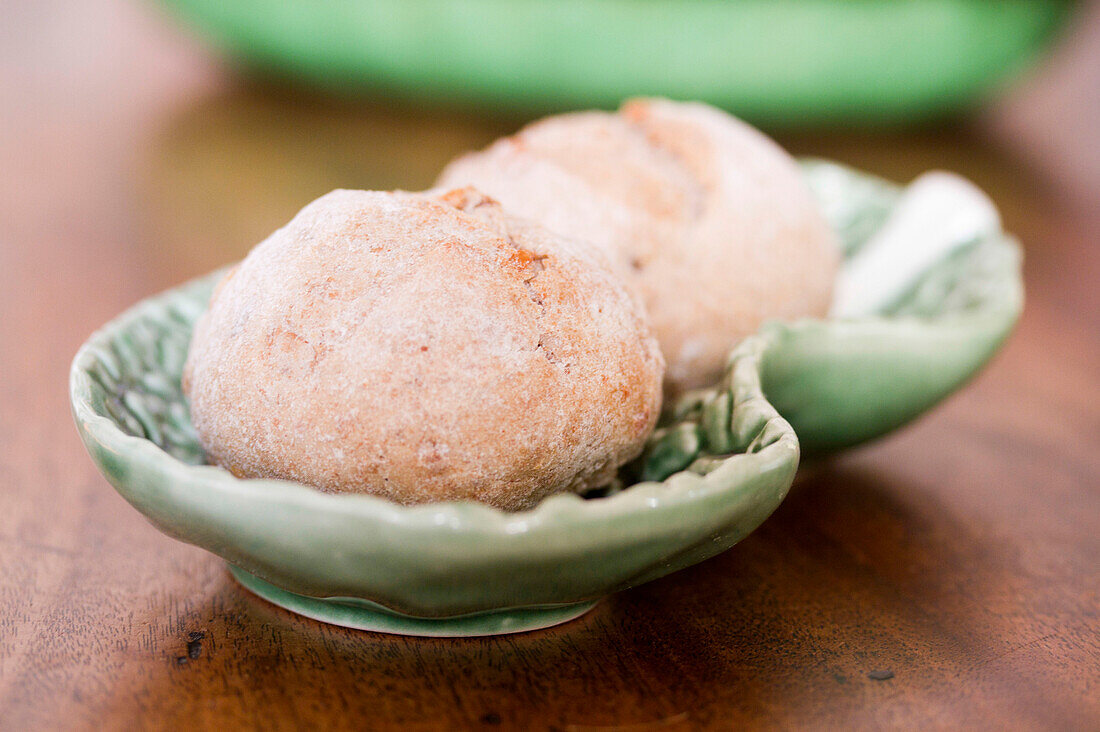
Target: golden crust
706,217
423,347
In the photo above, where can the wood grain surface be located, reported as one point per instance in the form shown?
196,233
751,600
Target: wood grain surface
946,577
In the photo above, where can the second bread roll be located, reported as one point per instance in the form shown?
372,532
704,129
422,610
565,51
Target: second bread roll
708,218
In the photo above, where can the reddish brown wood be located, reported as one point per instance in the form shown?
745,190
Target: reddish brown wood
960,554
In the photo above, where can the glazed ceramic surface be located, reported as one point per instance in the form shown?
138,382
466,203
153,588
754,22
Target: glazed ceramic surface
779,60
433,561
930,288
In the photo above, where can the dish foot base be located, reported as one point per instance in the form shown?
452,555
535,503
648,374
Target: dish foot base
363,615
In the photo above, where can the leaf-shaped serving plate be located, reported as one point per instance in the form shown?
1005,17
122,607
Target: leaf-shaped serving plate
781,61
713,472
930,288
438,569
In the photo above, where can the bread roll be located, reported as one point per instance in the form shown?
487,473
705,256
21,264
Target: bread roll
423,347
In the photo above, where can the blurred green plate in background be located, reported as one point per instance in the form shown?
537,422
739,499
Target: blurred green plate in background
784,61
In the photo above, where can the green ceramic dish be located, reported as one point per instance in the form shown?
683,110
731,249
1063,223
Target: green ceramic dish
779,60
891,357
441,569
717,468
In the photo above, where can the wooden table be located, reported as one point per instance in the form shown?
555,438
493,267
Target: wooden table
960,555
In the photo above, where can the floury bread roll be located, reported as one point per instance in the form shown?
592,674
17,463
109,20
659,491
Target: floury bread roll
709,219
423,347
